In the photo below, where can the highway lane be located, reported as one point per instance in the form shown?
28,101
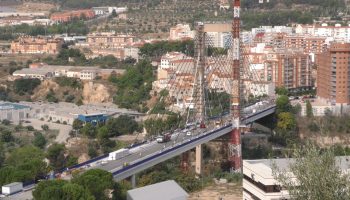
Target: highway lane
147,150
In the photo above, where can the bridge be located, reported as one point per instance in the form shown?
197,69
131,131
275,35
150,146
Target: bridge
228,64
149,154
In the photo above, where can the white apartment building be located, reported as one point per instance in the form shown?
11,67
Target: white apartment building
260,184
219,39
181,31
336,32
166,59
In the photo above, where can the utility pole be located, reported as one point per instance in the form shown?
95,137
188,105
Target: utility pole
235,148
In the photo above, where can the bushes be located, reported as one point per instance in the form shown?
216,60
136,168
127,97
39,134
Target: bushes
22,86
68,82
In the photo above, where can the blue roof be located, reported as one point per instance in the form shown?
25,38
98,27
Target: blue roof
12,106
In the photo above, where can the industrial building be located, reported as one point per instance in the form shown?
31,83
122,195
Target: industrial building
167,190
13,112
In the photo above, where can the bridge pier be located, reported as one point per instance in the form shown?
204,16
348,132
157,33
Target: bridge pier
133,181
199,159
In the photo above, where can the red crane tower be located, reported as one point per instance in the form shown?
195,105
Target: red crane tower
235,156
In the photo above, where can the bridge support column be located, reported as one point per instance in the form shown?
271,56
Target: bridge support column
199,159
133,181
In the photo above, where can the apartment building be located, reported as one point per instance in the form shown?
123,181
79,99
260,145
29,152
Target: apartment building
337,32
310,44
36,45
290,68
70,15
110,40
181,31
333,74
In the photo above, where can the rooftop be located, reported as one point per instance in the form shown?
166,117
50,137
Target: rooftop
167,190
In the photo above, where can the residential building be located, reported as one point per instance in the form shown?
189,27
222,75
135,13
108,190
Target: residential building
337,32
36,45
157,192
219,39
260,183
181,31
109,40
168,58
310,44
333,74
70,15
290,68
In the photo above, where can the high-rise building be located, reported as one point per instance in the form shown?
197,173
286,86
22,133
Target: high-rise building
333,74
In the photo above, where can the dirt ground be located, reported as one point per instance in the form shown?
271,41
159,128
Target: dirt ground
33,6
228,191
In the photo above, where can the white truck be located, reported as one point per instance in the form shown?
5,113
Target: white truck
12,188
115,155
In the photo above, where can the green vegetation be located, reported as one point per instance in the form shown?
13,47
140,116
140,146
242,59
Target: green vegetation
68,82
317,173
121,125
155,126
90,185
56,154
77,27
134,86
79,59
309,112
23,164
23,86
158,49
218,103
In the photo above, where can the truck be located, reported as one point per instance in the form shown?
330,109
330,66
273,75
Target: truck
115,155
12,188
164,138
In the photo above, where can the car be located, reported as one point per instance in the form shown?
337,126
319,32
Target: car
188,133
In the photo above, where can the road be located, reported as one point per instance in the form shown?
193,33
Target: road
148,150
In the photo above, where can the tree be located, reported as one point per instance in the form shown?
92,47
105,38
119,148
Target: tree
39,140
309,112
6,136
96,181
49,190
45,127
283,104
317,173
89,130
55,154
281,90
286,121
22,86
121,125
77,124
